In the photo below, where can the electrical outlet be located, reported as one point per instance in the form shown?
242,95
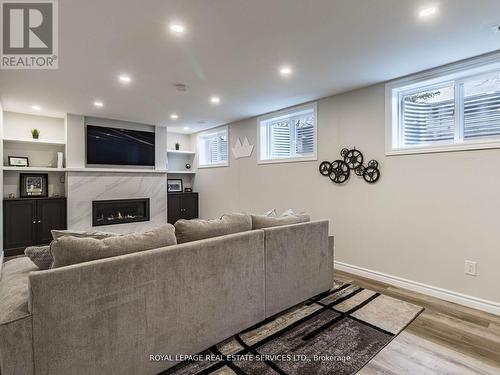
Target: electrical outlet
470,268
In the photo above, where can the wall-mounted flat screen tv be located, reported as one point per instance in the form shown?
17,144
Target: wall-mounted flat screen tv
114,146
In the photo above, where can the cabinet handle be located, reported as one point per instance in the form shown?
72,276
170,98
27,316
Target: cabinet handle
39,221
34,221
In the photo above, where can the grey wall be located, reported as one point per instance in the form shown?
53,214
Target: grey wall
425,216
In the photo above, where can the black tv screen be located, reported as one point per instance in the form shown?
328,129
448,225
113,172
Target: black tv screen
116,146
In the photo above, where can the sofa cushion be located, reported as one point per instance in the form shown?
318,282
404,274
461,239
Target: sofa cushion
58,233
14,289
40,255
262,221
198,229
72,250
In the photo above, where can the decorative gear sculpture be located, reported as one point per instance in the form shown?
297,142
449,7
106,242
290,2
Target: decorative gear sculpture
339,171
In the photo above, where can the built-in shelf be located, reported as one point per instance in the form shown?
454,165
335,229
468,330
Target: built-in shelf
34,169
35,141
93,170
116,170
181,172
181,152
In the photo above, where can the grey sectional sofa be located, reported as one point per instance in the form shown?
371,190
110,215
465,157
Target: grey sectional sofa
108,316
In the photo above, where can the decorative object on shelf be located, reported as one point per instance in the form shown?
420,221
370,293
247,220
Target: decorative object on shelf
12,195
35,133
339,171
188,190
34,185
18,161
174,185
60,159
177,146
188,166
242,150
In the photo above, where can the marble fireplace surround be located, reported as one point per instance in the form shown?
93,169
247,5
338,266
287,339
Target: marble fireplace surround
85,187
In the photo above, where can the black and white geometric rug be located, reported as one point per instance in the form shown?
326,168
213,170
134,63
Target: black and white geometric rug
337,332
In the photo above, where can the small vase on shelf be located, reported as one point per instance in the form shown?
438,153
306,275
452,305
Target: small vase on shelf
35,133
177,146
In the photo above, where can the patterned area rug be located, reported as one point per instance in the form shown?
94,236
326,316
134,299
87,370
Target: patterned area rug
336,332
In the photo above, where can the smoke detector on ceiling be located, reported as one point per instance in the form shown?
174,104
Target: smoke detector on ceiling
180,87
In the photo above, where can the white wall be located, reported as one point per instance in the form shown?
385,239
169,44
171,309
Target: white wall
425,216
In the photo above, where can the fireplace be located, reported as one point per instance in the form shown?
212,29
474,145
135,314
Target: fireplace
119,211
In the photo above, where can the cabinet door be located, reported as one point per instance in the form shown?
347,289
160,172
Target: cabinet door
173,208
51,214
189,206
19,223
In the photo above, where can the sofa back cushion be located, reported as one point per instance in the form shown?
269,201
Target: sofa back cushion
262,221
198,229
58,233
71,250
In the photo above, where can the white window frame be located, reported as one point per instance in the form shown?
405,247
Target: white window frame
457,72
285,113
207,133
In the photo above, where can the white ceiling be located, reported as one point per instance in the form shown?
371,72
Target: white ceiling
233,49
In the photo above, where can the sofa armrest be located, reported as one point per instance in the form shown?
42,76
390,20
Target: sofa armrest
299,264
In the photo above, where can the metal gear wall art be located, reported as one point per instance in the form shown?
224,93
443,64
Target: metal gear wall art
339,171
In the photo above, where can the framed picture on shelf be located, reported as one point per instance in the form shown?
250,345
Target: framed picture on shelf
18,161
34,185
174,185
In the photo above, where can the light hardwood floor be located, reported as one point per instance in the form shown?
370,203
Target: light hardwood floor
445,338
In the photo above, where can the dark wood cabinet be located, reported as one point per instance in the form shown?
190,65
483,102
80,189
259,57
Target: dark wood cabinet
28,222
182,206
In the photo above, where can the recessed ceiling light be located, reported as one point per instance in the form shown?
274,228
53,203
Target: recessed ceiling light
285,71
174,116
215,100
177,28
186,127
36,107
427,12
98,104
124,78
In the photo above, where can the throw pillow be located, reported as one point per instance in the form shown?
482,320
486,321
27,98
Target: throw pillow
198,229
72,250
259,221
271,213
40,255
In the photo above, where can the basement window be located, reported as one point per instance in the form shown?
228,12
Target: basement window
289,135
213,148
448,109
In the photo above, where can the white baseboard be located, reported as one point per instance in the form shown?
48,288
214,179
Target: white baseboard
447,295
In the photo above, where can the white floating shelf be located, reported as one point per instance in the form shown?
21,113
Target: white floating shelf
181,172
116,170
181,152
34,169
35,141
